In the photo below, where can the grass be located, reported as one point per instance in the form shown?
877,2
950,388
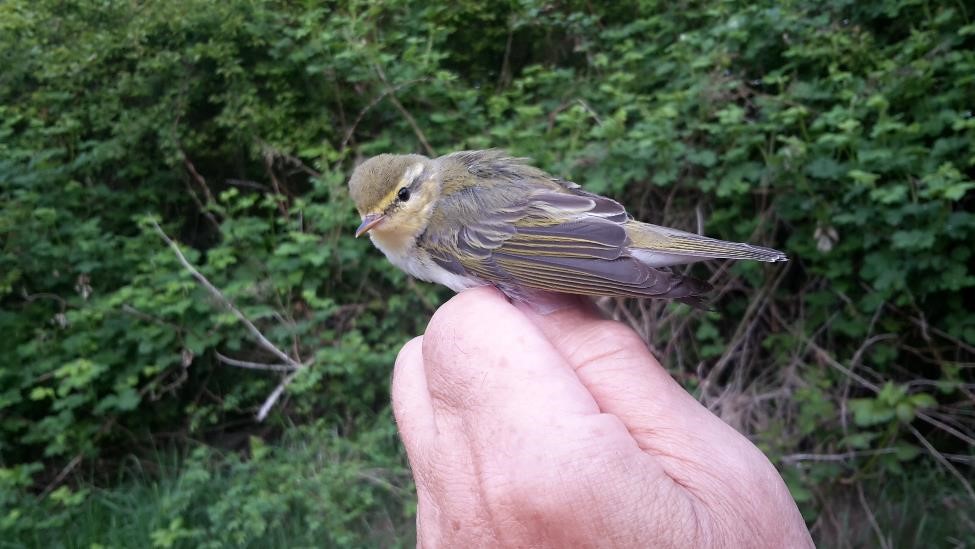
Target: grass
316,488
924,507
333,499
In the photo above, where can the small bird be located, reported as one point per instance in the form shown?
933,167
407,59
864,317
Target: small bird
474,218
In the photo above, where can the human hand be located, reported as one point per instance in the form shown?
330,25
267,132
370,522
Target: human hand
563,430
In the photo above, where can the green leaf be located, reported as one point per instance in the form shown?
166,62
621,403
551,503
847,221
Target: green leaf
913,239
824,168
905,412
868,412
906,452
923,400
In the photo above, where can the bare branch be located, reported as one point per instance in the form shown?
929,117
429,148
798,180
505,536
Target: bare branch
208,196
828,359
254,365
266,149
867,343
755,307
351,131
945,427
864,382
844,456
247,184
822,353
263,341
75,461
191,168
592,112
943,461
884,542
274,396
504,75
45,295
925,327
215,292
279,189
129,309
406,114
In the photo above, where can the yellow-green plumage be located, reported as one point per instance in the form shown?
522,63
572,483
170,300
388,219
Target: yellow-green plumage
481,217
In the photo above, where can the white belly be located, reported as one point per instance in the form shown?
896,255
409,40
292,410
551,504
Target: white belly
418,264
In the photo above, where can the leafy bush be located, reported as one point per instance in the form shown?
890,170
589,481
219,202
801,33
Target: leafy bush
840,132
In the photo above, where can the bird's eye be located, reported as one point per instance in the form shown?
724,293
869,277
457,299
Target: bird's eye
403,195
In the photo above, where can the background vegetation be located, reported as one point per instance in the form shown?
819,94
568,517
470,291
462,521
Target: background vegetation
839,131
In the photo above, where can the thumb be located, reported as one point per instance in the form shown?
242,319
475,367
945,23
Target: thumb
695,448
625,380
623,377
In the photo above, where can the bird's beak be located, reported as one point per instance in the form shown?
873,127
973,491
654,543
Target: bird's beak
368,222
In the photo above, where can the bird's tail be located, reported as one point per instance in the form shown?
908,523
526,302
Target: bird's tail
661,246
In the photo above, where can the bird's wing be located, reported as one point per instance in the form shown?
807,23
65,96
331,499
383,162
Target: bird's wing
558,238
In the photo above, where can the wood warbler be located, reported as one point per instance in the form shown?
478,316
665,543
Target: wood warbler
473,218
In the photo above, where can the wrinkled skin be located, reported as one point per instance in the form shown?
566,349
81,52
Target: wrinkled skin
562,430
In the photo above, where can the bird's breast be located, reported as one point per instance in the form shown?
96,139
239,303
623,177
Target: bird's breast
415,261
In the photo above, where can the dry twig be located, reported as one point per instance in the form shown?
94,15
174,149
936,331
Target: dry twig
191,169
884,542
263,341
351,131
272,399
254,365
943,461
268,150
406,114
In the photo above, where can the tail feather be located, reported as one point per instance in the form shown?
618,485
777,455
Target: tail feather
661,246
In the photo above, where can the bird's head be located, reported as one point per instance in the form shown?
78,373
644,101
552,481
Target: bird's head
393,195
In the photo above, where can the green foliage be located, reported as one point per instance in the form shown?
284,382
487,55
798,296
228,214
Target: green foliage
891,402
315,488
841,132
